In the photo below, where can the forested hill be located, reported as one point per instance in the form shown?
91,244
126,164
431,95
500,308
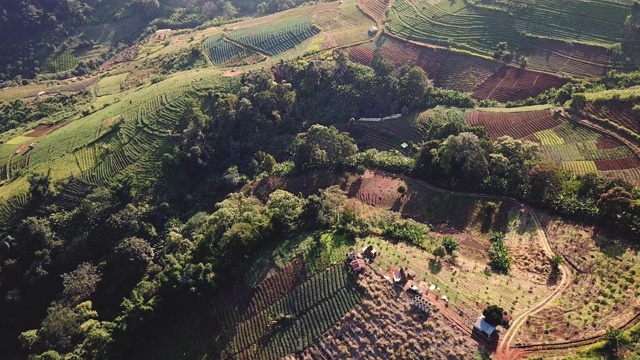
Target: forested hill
33,33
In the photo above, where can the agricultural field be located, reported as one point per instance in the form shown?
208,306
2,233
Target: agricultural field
385,135
110,85
615,106
511,84
603,293
478,28
62,61
447,69
296,318
566,59
344,25
224,53
384,325
375,8
278,37
576,148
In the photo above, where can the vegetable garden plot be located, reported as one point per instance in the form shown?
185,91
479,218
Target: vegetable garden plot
632,176
580,167
276,38
62,61
619,113
515,124
221,52
630,162
344,26
375,8
510,84
297,319
111,85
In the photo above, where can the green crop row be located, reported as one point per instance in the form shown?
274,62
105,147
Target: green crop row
277,38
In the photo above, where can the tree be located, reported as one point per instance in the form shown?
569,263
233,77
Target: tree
614,338
285,209
578,101
324,147
40,186
556,260
493,315
499,256
462,158
450,244
415,88
209,9
439,252
80,283
615,202
502,54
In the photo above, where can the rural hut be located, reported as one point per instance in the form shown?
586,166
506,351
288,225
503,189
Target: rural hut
483,328
358,265
373,30
398,276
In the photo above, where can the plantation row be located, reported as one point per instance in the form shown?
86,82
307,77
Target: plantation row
375,8
344,26
510,84
516,124
220,51
625,163
632,176
311,307
62,61
580,167
576,60
110,85
620,114
479,28
277,38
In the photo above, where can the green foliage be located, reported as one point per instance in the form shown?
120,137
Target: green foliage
324,147
392,160
450,244
407,231
555,261
285,209
499,256
439,252
493,314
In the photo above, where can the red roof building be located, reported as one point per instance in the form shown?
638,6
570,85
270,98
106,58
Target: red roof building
358,265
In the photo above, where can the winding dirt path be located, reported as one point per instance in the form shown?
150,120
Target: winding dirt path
504,350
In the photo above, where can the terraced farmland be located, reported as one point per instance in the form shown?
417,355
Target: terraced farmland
510,84
447,69
620,113
276,38
479,28
576,148
62,61
375,8
110,85
386,135
558,57
294,321
343,26
515,124
223,53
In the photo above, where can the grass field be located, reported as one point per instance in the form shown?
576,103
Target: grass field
110,85
479,28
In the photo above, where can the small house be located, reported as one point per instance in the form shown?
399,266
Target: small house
483,328
373,30
398,276
410,274
364,119
369,252
421,304
358,265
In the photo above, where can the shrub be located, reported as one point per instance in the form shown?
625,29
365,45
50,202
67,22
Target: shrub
402,189
450,244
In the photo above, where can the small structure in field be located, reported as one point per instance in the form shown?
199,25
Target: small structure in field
392,116
363,119
483,328
352,255
404,145
410,274
358,265
421,304
369,252
398,276
373,30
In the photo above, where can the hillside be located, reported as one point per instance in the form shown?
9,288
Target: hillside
319,180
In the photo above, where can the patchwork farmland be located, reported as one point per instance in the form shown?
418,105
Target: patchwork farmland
225,53
576,148
344,25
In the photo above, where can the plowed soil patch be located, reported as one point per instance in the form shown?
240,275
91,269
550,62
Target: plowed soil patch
618,164
511,84
518,125
606,142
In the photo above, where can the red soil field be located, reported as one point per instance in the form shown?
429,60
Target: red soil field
561,58
39,131
447,69
620,114
606,142
511,84
375,8
518,125
618,164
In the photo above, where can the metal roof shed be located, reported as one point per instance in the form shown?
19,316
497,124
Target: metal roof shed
484,327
